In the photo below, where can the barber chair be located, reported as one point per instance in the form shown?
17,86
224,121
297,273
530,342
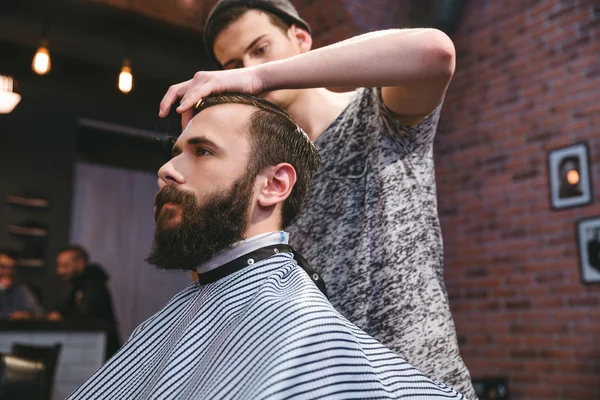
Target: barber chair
48,355
21,378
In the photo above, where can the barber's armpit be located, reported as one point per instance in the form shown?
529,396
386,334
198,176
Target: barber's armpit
406,120
413,136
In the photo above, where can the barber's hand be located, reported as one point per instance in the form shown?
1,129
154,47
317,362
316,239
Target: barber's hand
245,80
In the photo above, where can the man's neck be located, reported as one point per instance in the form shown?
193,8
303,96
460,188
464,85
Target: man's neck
243,247
314,110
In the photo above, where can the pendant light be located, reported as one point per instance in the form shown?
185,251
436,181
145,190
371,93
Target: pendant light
9,98
126,77
41,61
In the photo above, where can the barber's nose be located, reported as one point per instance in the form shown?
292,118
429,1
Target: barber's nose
168,175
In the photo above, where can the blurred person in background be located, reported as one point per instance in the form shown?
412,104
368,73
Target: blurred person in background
87,296
17,301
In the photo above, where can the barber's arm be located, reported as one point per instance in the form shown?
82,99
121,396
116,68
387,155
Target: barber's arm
412,66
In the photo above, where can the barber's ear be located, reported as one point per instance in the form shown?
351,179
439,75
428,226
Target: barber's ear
301,37
275,184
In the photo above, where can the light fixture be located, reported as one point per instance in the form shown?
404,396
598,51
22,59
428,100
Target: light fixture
9,98
125,77
573,177
41,61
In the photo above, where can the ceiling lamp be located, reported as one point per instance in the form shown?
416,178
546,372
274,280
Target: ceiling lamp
41,61
8,97
125,77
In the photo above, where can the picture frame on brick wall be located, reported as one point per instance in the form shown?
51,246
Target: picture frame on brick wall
588,240
569,176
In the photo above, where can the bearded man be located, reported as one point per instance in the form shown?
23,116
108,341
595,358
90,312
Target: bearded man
256,324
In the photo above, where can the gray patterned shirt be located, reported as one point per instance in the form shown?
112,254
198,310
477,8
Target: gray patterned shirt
370,225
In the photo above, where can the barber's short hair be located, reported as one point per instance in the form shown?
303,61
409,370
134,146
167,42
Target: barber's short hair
228,16
79,251
275,138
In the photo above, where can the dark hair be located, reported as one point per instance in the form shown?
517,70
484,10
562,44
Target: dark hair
80,252
275,138
228,16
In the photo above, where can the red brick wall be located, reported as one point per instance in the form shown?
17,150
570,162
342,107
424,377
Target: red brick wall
527,80
329,20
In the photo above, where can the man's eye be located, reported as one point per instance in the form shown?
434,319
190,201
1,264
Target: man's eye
202,152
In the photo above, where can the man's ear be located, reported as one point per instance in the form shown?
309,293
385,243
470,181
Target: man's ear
276,184
80,263
301,37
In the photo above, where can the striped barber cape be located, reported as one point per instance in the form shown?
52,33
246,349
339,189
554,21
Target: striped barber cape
263,332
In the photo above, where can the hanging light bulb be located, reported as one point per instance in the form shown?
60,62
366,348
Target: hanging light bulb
125,77
41,60
8,97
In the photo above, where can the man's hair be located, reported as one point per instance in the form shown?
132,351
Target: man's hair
79,251
275,138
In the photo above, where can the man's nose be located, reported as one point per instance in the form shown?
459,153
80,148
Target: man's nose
168,175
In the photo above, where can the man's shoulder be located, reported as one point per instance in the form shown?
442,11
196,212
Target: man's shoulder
173,307
296,292
18,289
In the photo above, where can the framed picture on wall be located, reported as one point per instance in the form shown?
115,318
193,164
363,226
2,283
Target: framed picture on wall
569,175
588,238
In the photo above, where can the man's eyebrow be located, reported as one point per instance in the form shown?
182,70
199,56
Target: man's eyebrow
196,141
247,48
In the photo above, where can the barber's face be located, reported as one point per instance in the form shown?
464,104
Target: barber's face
252,40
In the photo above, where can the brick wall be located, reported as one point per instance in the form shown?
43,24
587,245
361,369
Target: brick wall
330,22
528,80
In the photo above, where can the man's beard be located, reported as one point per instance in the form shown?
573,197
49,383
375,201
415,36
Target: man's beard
203,230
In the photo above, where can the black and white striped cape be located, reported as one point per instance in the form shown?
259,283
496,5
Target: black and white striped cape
264,332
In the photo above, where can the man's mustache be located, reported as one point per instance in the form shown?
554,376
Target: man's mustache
172,194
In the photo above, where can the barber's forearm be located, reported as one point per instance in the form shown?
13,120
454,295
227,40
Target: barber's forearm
379,59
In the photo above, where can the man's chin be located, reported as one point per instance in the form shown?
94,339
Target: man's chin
170,226
169,216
